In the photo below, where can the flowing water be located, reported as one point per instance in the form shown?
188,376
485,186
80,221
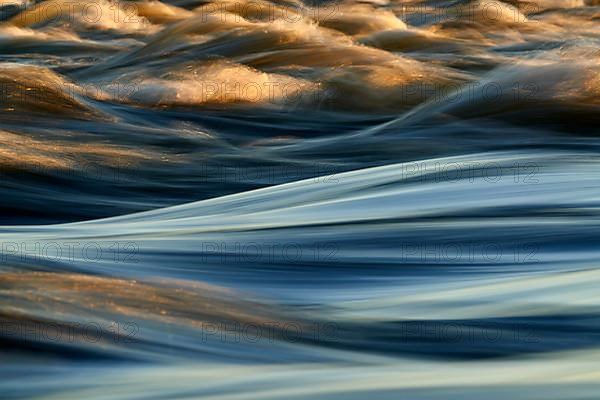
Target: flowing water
253,199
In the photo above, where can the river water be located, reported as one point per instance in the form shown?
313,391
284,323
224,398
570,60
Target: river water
252,199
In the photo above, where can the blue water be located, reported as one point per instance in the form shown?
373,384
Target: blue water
411,211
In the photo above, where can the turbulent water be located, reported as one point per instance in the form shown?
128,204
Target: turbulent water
252,199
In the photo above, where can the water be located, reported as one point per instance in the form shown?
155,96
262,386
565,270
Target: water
333,200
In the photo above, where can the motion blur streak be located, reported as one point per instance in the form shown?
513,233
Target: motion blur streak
253,199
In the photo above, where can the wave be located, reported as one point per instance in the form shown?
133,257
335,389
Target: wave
300,199
505,266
